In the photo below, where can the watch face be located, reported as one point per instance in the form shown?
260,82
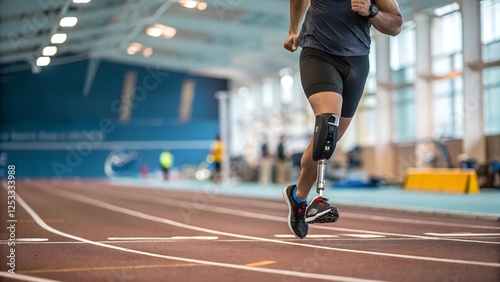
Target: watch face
373,10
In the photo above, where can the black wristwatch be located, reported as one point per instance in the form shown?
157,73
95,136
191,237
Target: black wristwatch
373,11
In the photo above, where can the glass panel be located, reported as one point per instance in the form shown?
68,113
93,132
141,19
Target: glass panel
448,108
490,21
447,34
267,94
491,52
492,101
403,52
404,114
367,120
441,66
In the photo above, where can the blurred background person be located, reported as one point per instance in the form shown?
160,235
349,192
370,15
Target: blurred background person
266,163
281,158
217,157
166,162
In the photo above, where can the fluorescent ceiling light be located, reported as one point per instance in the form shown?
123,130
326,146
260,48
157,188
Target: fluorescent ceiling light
58,38
202,6
81,1
134,48
164,31
43,61
190,4
154,31
68,21
147,52
49,51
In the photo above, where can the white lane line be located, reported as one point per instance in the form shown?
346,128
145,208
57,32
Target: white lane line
463,234
285,237
315,236
269,205
163,238
32,239
23,277
415,221
323,277
104,205
195,205
364,236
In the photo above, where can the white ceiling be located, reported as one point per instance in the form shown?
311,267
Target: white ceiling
238,39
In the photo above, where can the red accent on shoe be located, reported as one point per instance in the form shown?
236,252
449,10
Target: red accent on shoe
322,201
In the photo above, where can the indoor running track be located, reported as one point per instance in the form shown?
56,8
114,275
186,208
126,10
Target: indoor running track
95,231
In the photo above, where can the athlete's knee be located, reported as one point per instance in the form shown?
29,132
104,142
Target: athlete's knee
325,136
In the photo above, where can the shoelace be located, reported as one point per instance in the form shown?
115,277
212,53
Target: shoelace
301,210
322,201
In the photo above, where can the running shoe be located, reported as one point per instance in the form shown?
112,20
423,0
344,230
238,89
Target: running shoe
296,212
320,211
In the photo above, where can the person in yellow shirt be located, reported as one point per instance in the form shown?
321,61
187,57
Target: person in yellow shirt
217,156
166,162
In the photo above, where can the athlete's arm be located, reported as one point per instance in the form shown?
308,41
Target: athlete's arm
298,9
388,20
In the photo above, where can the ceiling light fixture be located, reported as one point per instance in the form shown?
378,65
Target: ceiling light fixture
68,21
154,31
164,31
58,38
81,1
147,52
134,48
49,51
190,4
43,61
199,4
202,6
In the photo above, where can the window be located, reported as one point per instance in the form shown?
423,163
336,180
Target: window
267,94
492,100
447,63
403,59
404,114
448,108
490,29
403,55
490,38
367,117
287,83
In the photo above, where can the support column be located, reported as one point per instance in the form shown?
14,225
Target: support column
423,88
384,153
474,143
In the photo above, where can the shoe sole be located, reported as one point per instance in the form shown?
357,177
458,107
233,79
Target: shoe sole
329,216
285,196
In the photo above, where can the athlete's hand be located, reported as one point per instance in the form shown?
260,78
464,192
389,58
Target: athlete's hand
291,42
361,7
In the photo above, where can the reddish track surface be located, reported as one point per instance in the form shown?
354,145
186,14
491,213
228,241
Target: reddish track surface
100,232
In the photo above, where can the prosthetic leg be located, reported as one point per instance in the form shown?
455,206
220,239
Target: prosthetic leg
324,142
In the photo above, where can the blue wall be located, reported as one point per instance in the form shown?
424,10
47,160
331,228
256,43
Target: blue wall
49,129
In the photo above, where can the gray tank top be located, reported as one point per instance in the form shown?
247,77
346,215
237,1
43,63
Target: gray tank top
331,26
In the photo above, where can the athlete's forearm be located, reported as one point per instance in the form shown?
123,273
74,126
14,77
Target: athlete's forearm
389,19
298,9
388,23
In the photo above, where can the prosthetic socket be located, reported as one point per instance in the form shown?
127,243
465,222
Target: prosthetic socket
324,142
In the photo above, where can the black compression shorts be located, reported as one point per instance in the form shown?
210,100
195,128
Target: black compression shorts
323,72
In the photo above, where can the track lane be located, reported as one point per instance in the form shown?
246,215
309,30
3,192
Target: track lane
308,260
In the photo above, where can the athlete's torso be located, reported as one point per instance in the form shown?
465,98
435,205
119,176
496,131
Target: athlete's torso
332,26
